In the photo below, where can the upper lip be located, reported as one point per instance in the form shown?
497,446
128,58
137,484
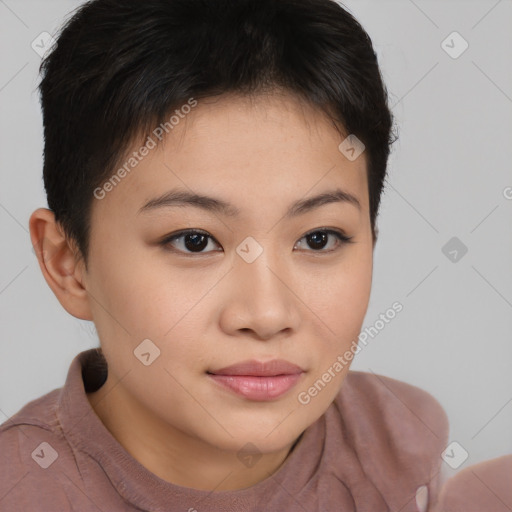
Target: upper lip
260,368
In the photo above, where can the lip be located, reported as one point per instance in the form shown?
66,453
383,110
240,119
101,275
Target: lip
258,381
260,368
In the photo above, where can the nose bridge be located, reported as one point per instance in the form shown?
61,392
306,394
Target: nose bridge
263,304
263,277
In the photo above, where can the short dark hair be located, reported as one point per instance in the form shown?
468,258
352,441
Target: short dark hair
120,67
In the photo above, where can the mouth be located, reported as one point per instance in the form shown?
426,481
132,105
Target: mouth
258,381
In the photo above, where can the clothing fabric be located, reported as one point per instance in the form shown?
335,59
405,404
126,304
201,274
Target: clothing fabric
482,487
376,449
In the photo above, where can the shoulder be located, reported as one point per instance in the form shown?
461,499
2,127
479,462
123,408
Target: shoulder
400,405
405,416
482,486
33,456
397,430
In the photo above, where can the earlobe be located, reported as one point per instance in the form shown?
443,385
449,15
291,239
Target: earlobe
60,265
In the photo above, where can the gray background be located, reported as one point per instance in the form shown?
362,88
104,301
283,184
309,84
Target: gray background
448,177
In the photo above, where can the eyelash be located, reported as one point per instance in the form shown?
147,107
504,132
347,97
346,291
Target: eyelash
166,242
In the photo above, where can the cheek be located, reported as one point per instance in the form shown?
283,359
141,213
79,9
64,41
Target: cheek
339,302
148,304
144,298
340,297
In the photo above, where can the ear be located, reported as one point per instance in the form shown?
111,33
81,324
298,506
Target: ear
62,269
375,237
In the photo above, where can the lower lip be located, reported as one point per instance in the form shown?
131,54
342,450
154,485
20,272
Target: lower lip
261,389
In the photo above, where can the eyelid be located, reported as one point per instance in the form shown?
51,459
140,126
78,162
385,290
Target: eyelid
334,231
181,232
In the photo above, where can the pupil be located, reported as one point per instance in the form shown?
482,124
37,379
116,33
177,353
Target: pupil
317,240
195,242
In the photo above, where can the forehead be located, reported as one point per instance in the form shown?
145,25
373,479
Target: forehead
272,148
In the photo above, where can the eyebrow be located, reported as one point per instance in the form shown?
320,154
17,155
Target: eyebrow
177,198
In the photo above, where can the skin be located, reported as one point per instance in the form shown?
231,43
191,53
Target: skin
210,310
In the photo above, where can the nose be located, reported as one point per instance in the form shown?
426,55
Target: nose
260,300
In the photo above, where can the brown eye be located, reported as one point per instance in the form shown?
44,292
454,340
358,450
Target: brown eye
191,241
195,242
319,239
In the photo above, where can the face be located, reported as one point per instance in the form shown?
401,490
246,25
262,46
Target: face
260,271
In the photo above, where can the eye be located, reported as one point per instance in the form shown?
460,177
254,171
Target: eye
191,241
325,240
195,241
